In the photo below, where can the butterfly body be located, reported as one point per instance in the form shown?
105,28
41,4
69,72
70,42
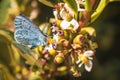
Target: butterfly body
27,33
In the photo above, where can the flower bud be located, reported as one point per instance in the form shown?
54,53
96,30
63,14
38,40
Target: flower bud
64,42
89,30
57,6
60,46
58,59
50,41
66,35
69,17
62,68
75,72
60,34
60,37
79,39
52,51
55,22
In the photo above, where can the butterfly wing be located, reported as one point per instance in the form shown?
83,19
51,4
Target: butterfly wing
27,32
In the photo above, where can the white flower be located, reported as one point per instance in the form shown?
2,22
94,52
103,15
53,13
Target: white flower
55,13
86,59
49,47
55,37
54,28
63,13
68,24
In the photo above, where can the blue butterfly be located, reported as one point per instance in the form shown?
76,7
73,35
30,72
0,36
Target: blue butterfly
27,33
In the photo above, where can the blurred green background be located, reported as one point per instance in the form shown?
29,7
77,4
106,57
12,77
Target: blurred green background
107,25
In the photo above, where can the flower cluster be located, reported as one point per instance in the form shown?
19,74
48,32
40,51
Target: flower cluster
68,42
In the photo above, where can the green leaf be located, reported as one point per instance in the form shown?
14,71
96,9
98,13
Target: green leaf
26,53
5,73
73,5
8,56
100,8
113,0
50,3
29,55
88,6
4,6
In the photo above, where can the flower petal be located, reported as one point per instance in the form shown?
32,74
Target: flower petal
63,14
89,57
55,36
65,24
77,74
88,66
80,65
74,23
88,53
55,13
69,9
78,61
48,47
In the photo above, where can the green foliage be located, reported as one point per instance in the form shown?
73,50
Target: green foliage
50,3
9,57
4,6
73,5
27,53
8,54
88,6
10,51
100,8
5,74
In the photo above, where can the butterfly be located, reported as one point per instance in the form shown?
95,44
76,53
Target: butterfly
27,33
